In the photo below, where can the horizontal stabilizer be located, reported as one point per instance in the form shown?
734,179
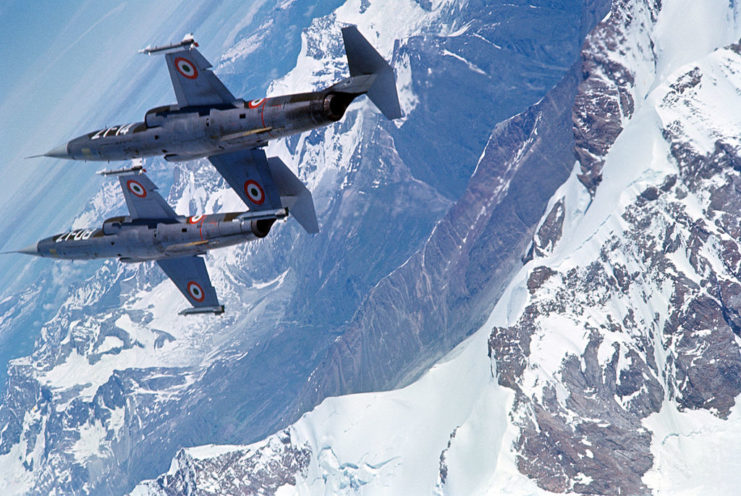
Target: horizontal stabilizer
363,59
354,85
294,195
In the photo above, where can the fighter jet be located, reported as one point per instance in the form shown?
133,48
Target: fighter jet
208,121
153,231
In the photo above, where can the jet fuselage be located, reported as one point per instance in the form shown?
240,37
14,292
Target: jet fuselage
142,240
195,132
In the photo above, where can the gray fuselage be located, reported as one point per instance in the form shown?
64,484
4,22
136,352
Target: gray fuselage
195,132
138,241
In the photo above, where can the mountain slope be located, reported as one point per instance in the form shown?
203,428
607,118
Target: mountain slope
117,382
636,295
614,352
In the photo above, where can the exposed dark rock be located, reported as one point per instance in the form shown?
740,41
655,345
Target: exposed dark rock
730,298
687,80
707,360
510,346
650,194
27,392
671,243
622,277
445,291
551,448
259,471
548,233
162,338
538,276
389,195
605,95
669,183
443,472
582,430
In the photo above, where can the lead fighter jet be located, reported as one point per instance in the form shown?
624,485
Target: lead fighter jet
208,121
153,231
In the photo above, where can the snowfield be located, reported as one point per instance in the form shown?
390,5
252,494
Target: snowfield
457,430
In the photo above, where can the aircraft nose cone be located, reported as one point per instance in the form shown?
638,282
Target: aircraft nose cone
58,152
30,250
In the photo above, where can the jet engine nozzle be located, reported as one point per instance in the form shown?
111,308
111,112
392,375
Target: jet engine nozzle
261,227
335,105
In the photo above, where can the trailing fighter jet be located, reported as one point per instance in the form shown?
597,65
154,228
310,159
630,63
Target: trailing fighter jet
208,121
153,231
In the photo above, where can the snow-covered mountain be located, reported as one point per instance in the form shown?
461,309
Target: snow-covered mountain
117,382
611,364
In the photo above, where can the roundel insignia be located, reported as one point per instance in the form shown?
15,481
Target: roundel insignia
136,188
254,192
195,219
196,291
256,103
186,68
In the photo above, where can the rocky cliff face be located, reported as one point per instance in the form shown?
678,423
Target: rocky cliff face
444,291
616,61
614,351
636,308
262,470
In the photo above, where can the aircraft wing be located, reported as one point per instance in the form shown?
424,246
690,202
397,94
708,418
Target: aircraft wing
248,173
142,198
191,277
194,82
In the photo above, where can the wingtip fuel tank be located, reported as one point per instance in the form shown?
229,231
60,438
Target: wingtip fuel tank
187,42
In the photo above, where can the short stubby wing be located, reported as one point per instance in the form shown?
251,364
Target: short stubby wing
191,277
142,198
194,82
248,173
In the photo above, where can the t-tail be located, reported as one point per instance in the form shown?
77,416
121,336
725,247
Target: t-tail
369,73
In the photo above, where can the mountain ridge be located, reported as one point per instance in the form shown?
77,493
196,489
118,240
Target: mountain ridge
615,347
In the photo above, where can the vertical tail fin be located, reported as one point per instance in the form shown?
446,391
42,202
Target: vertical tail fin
294,195
363,59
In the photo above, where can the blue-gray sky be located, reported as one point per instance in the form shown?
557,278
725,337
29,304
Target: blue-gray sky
68,68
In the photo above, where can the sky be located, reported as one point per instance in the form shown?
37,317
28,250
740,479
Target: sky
72,67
